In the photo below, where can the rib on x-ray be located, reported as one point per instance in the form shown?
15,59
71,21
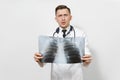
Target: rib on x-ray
61,50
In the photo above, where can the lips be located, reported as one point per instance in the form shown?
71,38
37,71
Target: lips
63,23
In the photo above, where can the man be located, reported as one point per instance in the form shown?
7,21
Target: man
66,71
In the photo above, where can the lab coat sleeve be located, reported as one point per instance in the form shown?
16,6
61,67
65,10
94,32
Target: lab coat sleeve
87,51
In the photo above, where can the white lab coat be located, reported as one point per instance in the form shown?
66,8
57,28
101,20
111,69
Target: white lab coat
69,71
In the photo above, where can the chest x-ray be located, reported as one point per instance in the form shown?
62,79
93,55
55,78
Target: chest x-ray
61,50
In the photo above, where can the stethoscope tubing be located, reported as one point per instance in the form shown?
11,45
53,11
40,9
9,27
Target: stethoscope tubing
57,31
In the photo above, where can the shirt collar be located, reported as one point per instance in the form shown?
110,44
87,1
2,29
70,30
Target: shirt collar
68,28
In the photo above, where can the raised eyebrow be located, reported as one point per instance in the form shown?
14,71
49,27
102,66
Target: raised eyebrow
60,15
65,14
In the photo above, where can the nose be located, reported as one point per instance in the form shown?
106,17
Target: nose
63,17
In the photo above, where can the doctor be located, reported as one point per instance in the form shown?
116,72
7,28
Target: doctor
66,71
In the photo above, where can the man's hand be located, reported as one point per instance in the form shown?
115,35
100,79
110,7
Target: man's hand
86,59
38,57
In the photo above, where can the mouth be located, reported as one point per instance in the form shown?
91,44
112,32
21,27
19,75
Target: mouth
63,23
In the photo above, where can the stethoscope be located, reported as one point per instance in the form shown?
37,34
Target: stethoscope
71,28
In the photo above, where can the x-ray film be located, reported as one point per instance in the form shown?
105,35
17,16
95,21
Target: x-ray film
61,50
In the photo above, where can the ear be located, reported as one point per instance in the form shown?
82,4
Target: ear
55,18
70,17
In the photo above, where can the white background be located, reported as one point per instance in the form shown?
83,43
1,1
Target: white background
21,21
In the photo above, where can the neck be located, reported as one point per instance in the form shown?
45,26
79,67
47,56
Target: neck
65,27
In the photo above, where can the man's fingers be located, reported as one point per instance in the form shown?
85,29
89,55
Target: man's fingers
38,54
86,58
37,57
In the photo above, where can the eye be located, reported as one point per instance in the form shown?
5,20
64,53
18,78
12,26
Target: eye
59,15
65,14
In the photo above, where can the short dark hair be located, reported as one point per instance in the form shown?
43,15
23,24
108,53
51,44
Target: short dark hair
62,7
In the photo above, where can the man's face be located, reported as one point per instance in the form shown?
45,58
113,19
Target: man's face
63,18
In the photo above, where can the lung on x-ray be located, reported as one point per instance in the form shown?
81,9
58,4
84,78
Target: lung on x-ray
61,50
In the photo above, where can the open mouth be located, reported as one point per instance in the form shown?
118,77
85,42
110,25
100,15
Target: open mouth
63,23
